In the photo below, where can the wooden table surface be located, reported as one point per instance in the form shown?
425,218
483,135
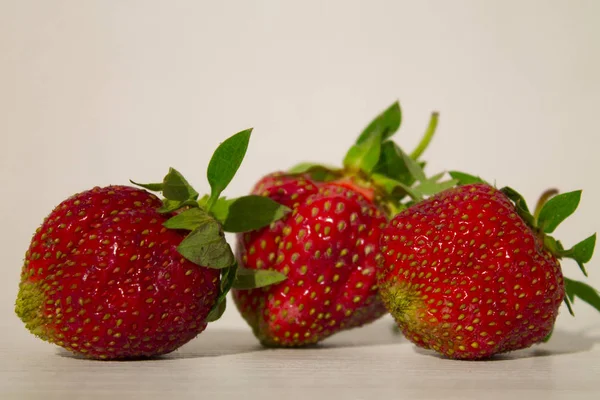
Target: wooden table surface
365,363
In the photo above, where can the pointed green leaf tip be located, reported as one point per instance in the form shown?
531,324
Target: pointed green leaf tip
582,252
225,162
385,124
256,278
557,209
583,291
365,155
153,187
252,212
176,187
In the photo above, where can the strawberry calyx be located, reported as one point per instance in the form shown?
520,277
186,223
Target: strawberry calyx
382,171
551,210
208,218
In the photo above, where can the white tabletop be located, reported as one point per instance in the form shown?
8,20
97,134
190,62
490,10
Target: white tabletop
365,363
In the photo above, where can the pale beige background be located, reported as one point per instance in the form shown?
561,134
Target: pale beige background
97,92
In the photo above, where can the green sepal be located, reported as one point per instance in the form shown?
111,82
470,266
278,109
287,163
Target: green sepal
413,167
173,205
548,336
520,205
225,162
364,156
227,279
318,172
189,219
252,212
153,187
554,246
582,252
432,185
217,311
583,291
395,188
392,164
176,187
220,209
384,125
557,209
246,278
206,246
465,179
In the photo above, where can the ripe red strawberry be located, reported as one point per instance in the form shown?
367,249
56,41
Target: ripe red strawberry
112,272
103,277
471,273
327,246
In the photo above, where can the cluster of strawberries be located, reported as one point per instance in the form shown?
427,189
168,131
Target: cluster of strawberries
464,268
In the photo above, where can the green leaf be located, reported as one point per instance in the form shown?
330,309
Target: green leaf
217,311
252,212
206,246
548,336
384,125
154,187
583,291
318,172
391,164
520,205
364,156
396,188
188,219
176,187
582,252
227,279
554,246
430,187
220,209
172,205
465,179
256,278
557,209
569,305
413,167
225,162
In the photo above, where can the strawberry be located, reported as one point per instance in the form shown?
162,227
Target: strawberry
116,273
326,246
470,273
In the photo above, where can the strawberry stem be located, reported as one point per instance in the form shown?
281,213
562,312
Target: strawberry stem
424,143
542,200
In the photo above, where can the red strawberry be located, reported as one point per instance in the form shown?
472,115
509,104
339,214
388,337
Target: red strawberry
112,272
471,273
327,246
103,277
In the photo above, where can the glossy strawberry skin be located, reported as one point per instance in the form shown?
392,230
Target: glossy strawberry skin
463,275
103,278
326,247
